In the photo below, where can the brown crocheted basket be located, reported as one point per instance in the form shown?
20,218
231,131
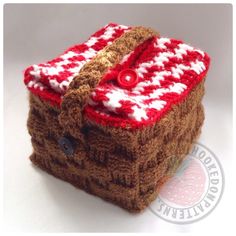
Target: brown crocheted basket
116,115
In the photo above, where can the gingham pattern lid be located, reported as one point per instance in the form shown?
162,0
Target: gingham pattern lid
50,80
167,70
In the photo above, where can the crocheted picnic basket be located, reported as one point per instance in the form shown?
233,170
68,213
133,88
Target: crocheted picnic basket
116,115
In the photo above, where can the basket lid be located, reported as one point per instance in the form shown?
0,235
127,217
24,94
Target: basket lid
51,80
122,76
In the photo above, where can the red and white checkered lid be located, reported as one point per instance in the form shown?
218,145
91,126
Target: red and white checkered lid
50,80
136,92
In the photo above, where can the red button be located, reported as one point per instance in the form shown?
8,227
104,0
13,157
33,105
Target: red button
127,78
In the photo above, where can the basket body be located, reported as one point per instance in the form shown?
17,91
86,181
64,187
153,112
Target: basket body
126,168
114,136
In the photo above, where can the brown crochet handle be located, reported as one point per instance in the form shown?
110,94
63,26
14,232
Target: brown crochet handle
71,117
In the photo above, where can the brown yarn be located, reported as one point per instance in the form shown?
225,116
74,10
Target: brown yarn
126,167
121,166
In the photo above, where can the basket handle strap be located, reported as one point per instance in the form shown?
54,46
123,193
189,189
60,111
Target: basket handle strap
73,102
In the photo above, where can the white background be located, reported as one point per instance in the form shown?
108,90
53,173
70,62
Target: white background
37,202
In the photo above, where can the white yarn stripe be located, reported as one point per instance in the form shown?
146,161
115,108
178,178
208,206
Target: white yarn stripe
68,55
180,50
110,30
36,85
177,70
160,42
116,95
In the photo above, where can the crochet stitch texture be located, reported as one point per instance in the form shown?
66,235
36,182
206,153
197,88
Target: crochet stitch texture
113,140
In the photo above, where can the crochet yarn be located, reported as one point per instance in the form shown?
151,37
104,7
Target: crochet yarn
167,69
51,80
116,115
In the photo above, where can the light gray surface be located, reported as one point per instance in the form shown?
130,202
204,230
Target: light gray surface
35,201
